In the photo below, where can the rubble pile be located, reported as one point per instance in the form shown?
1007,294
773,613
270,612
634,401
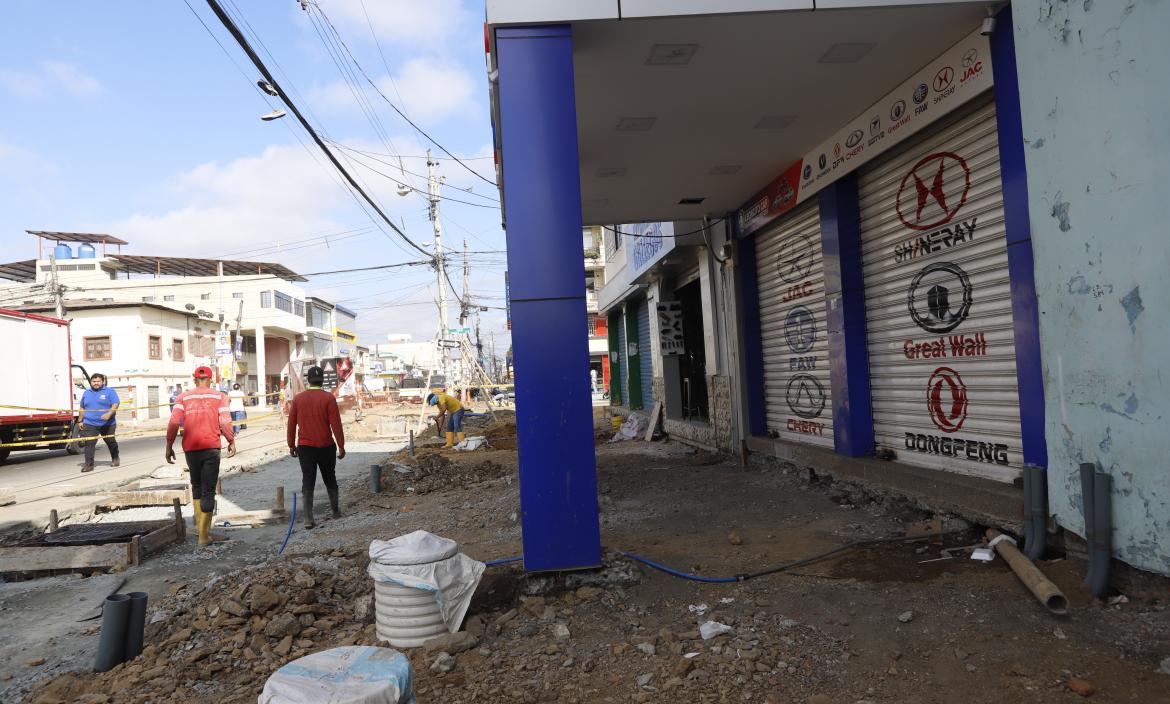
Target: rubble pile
432,471
222,640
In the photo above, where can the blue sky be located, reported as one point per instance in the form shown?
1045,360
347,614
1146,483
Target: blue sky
127,118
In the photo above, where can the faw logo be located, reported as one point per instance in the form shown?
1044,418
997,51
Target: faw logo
934,191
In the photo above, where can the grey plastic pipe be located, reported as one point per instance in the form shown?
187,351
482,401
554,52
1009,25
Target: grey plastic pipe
1035,511
1102,540
1087,470
376,478
135,624
112,646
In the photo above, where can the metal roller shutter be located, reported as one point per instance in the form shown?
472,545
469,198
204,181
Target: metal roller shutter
938,302
127,400
623,357
793,329
645,366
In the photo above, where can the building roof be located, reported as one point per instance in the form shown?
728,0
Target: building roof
91,238
185,266
19,271
96,305
345,311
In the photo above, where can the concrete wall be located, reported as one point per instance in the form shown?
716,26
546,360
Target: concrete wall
1094,107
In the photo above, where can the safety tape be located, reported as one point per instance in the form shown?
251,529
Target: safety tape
120,407
81,440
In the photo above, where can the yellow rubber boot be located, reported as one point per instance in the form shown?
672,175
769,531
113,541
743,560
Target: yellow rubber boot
461,436
450,440
204,521
196,513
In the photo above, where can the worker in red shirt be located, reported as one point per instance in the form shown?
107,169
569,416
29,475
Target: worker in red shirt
321,442
203,413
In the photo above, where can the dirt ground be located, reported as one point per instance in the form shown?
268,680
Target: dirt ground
899,622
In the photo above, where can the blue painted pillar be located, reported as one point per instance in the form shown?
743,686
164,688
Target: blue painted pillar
1021,266
752,338
845,309
550,344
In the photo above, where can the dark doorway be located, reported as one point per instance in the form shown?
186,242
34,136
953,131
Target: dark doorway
692,365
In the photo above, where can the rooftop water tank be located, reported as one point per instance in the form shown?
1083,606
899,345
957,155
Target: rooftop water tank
62,251
86,251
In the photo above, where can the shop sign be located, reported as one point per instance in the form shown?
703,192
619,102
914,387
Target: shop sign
954,78
650,241
670,329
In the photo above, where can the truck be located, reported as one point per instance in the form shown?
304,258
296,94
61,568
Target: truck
37,396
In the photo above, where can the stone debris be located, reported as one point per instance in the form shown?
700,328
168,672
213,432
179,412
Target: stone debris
1084,688
445,662
906,617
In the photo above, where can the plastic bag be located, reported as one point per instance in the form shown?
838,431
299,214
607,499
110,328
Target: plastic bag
347,675
425,561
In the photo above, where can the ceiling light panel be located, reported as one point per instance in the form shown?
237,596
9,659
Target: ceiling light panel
635,124
693,200
671,54
846,53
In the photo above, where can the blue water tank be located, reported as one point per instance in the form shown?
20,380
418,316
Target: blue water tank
86,251
62,251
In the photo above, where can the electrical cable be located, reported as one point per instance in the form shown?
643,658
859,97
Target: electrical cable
716,221
373,155
417,190
243,42
259,277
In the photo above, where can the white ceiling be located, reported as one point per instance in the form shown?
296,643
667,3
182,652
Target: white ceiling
746,67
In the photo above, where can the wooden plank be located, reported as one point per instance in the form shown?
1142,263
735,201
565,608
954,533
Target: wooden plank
654,413
155,541
253,517
132,499
63,557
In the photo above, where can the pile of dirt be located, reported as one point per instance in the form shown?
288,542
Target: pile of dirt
502,434
431,471
223,639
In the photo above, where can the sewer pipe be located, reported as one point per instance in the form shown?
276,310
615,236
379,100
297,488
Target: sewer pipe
135,625
1087,470
1102,540
112,645
1035,511
1041,587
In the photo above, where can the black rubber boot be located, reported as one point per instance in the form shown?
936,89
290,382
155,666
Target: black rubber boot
309,522
333,503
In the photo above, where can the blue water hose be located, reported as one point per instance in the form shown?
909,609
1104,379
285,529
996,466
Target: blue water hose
644,561
503,561
291,520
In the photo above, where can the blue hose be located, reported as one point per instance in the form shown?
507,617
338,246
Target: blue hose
503,561
677,573
291,520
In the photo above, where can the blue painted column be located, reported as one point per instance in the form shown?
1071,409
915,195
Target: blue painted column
845,312
550,345
1021,266
751,341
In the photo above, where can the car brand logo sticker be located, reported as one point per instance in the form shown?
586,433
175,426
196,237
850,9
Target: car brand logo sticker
822,161
940,297
855,138
837,150
970,57
795,259
800,329
807,172
946,398
805,396
933,191
943,79
897,110
920,93
875,125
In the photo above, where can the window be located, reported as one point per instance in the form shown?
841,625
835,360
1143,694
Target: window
238,294
298,307
177,350
154,347
98,348
266,299
317,317
284,302
168,298
205,296
250,344
148,299
592,327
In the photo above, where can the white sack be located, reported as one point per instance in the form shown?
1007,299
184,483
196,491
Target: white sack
348,675
425,561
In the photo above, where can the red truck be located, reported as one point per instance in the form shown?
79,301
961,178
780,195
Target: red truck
37,393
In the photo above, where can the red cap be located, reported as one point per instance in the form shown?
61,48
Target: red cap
203,373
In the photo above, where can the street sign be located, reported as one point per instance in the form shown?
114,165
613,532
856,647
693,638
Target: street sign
459,331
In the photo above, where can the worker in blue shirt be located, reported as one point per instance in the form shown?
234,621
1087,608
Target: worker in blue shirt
99,419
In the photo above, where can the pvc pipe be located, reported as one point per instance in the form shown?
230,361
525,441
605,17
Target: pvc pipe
1029,482
135,624
376,478
1087,470
1044,590
1102,540
112,646
1036,512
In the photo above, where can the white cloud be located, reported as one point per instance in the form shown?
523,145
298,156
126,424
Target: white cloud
49,77
429,90
398,21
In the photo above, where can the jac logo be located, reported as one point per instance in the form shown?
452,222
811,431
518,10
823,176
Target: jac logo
946,398
941,180
943,79
970,58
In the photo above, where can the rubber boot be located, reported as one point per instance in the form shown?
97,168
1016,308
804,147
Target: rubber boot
450,440
203,522
461,436
333,503
197,519
309,522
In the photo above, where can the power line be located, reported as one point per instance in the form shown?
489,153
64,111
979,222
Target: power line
373,155
396,181
249,278
243,42
395,107
716,221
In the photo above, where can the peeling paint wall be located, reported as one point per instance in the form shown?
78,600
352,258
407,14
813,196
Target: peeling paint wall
1096,120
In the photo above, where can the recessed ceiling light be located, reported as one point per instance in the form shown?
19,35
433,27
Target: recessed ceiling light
635,124
726,170
611,171
846,53
692,200
775,122
671,54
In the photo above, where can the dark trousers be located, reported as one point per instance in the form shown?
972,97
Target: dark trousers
311,459
92,432
204,466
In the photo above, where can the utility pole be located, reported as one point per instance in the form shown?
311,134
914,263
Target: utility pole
464,311
433,196
58,303
495,366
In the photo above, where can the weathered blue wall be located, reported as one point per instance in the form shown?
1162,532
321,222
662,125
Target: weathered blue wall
1096,120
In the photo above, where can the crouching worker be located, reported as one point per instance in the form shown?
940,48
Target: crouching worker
451,411
321,441
203,413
